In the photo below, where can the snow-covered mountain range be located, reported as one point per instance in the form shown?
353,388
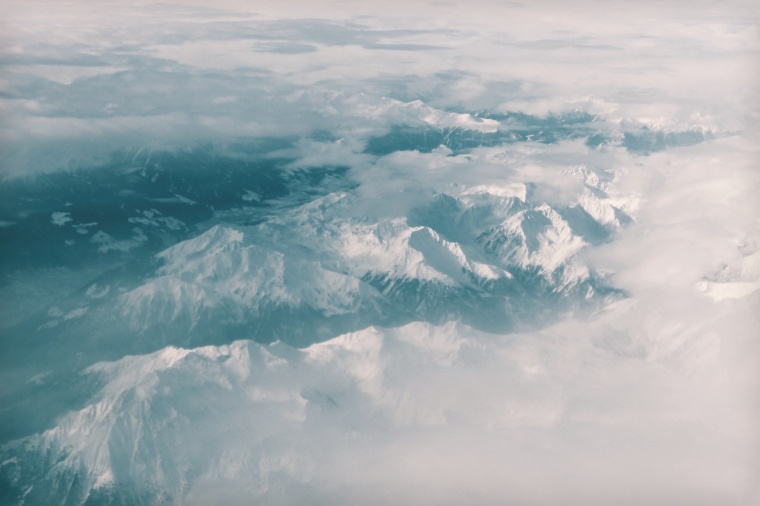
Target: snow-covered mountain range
336,305
428,253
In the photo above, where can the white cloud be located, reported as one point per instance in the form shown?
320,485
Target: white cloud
60,219
182,59
651,400
422,414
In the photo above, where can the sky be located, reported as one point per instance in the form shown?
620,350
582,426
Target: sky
650,400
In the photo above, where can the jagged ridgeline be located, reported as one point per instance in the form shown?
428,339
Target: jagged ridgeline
209,246
75,241
205,247
197,247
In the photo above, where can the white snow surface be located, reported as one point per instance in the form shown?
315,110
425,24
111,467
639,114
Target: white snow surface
652,400
414,404
320,254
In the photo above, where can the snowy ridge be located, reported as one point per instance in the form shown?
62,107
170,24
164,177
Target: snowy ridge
400,251
319,256
131,440
172,425
534,238
392,111
600,198
735,281
124,442
166,424
366,253
221,268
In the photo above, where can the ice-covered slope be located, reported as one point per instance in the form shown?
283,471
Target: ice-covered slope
221,268
322,260
735,281
306,272
241,405
538,238
272,424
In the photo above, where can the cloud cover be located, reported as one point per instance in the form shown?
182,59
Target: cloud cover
651,400
93,77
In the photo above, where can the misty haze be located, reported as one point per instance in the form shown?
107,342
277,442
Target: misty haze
338,253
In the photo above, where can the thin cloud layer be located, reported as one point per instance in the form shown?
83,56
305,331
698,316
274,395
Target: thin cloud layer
132,75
